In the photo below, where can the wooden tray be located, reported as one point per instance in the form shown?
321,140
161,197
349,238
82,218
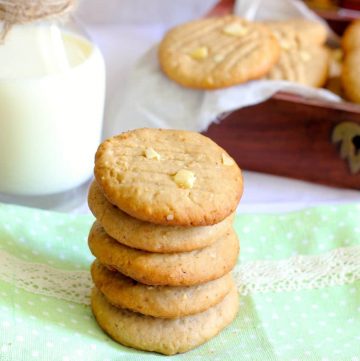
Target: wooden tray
292,136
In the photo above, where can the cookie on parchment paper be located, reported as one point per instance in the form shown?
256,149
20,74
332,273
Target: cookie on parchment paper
217,52
166,269
170,177
300,61
159,301
167,336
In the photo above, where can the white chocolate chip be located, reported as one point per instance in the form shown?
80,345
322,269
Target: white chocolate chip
285,45
169,217
184,178
150,153
227,160
200,53
305,56
218,58
235,29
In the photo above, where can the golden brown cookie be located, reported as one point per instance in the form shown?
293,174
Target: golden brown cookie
304,65
351,38
166,269
168,177
150,237
159,301
350,77
307,32
217,52
167,336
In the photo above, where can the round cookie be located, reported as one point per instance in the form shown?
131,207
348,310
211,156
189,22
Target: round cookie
351,38
217,52
150,237
166,336
350,78
166,269
168,177
304,65
159,301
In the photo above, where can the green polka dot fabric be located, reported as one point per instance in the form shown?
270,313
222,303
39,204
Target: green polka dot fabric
298,276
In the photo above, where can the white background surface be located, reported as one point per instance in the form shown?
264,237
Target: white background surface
124,32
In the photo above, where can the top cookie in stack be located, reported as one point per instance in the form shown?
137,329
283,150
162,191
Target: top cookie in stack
168,177
163,239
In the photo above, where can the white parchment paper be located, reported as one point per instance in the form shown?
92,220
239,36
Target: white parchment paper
152,100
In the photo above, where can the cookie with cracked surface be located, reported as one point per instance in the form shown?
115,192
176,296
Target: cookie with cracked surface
218,52
166,269
166,336
159,301
150,237
170,177
350,77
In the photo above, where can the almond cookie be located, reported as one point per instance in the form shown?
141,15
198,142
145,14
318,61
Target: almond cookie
150,237
168,177
217,52
159,301
350,77
351,38
166,336
166,269
307,32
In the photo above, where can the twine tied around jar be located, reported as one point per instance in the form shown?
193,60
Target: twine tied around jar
14,12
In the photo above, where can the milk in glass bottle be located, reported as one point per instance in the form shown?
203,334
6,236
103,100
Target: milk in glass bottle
52,81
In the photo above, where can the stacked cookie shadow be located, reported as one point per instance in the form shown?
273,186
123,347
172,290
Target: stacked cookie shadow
163,239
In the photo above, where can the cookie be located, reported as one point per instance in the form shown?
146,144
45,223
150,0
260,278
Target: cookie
350,78
159,301
351,38
166,336
166,269
169,177
307,32
218,52
303,65
150,237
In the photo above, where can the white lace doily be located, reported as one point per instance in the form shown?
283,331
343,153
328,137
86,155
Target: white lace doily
338,267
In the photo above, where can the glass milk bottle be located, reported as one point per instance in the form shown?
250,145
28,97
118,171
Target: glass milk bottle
52,85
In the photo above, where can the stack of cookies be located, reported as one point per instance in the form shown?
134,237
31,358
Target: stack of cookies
163,239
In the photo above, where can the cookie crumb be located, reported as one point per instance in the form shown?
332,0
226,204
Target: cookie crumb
227,160
150,153
184,178
200,53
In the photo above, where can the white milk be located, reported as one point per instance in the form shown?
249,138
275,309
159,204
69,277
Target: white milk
51,108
